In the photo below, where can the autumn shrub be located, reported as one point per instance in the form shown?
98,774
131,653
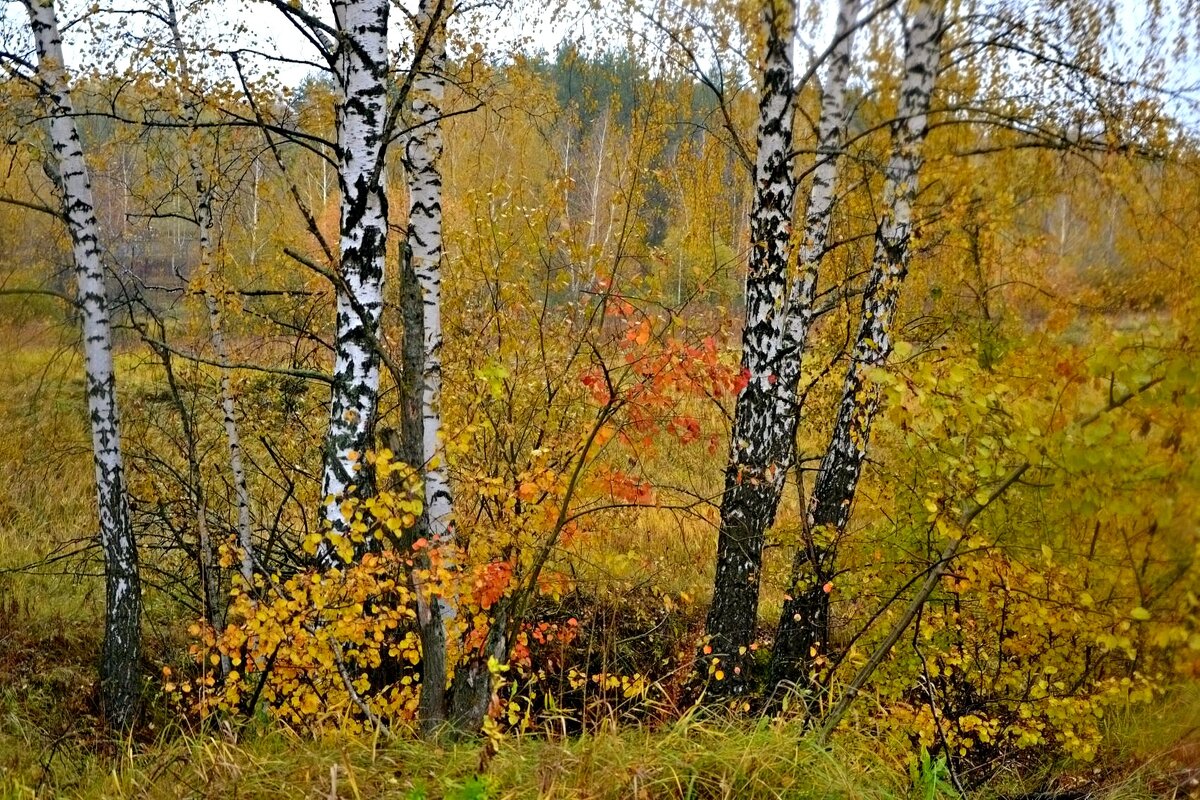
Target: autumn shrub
1074,598
1008,659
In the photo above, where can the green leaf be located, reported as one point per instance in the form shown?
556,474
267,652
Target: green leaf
493,375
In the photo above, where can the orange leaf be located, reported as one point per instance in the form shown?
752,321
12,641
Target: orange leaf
643,334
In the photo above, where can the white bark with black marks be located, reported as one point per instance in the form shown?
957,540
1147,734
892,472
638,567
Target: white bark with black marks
119,679
768,413
423,157
831,135
803,634
361,76
759,453
423,153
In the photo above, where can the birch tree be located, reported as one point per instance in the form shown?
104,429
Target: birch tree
119,683
758,452
776,326
470,694
422,316
803,633
423,155
831,135
360,70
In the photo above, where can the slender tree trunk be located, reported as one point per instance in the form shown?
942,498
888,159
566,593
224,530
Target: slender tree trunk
234,441
423,155
410,449
255,177
119,684
211,579
204,226
803,634
759,455
831,134
361,74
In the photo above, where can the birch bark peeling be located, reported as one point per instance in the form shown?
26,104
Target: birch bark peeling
361,75
119,680
803,633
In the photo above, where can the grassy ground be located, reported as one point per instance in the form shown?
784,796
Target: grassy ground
688,759
51,745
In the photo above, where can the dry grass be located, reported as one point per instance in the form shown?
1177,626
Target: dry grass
688,760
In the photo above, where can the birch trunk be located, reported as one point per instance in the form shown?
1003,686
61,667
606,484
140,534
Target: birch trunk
409,448
759,453
831,134
119,684
472,690
423,155
361,75
204,225
803,634
424,152
234,441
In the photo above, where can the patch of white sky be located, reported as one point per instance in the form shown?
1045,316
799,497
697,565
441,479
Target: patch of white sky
268,41
540,26
1140,24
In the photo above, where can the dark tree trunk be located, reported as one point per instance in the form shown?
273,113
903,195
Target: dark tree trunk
472,690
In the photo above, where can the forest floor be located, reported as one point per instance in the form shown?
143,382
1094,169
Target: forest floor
52,745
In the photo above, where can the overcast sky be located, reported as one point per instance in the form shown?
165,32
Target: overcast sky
533,27
529,26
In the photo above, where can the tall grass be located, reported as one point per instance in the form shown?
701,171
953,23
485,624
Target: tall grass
688,760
